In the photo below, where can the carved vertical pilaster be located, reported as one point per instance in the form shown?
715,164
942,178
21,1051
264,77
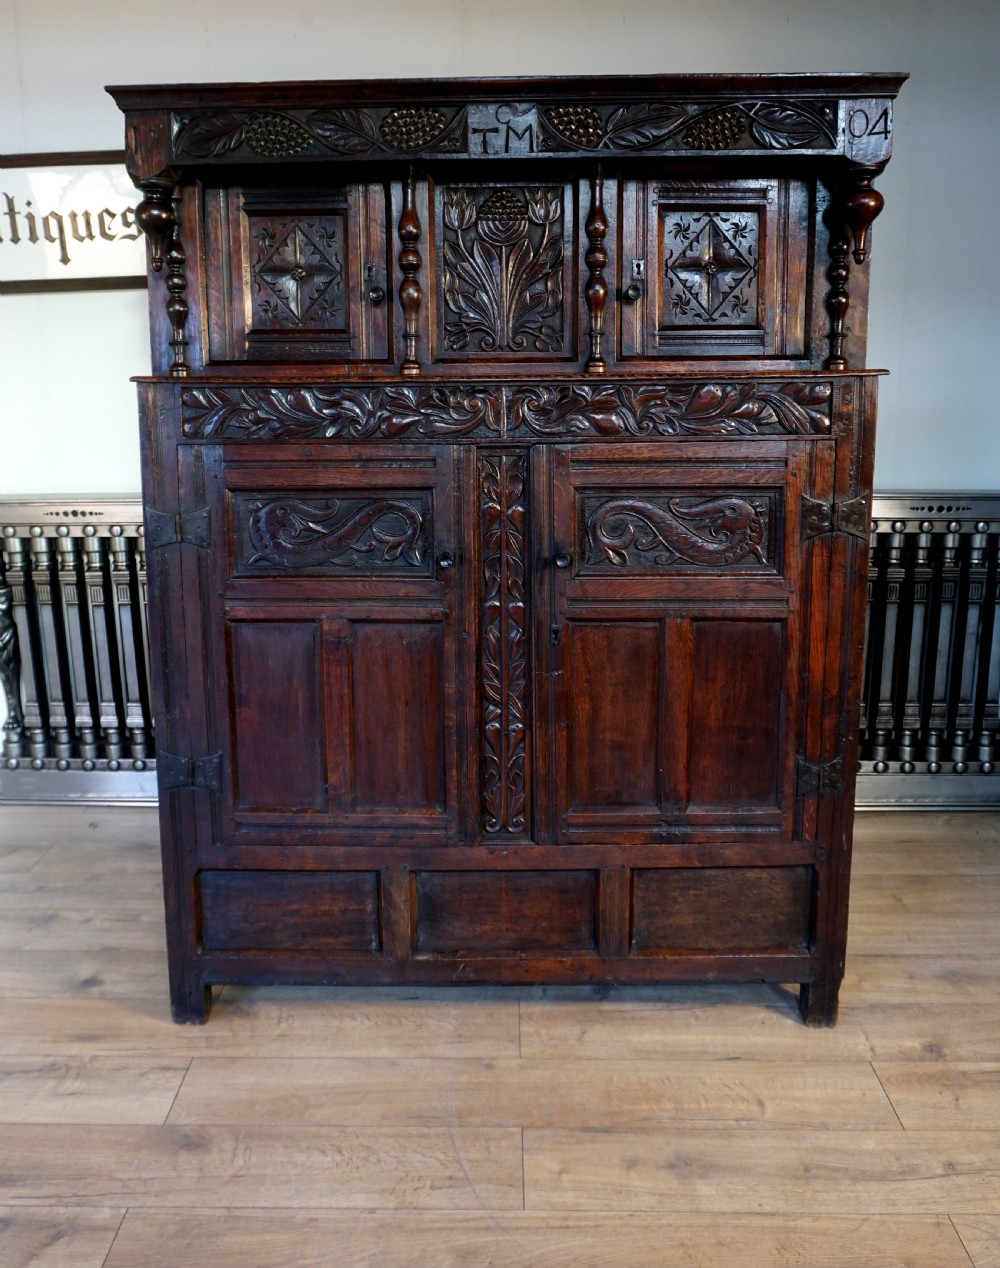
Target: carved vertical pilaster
157,217
596,290
410,293
838,275
504,666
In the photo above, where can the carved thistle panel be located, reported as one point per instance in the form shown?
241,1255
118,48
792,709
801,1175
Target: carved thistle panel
504,272
352,536
297,272
644,534
504,668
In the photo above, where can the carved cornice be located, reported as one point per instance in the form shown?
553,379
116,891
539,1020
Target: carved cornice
511,128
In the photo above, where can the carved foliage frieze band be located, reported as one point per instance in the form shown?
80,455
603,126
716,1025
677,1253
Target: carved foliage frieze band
290,534
504,668
615,409
347,413
722,531
506,128
503,262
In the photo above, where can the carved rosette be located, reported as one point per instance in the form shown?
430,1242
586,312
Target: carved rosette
504,668
616,409
347,413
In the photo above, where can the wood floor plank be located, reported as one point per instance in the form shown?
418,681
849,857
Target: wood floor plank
56,824
290,1166
57,1237
937,1095
980,1235
40,926
914,1032
682,1024
948,831
918,979
893,896
922,933
749,1170
19,856
525,1239
532,1093
296,1022
100,974
88,1089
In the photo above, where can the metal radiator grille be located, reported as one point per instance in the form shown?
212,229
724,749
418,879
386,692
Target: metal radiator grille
73,649
929,716
73,652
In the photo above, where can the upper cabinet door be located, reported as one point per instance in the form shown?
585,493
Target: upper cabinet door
713,268
505,277
303,274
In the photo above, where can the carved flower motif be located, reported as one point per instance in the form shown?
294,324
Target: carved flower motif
718,130
276,136
503,218
581,125
411,128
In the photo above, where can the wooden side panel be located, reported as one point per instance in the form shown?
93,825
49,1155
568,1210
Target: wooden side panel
613,720
398,715
277,695
506,912
290,911
738,671
721,909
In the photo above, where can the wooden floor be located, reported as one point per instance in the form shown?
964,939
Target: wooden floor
473,1127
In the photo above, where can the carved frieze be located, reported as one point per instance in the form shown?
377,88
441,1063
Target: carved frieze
625,409
348,413
333,535
503,265
653,534
504,128
504,656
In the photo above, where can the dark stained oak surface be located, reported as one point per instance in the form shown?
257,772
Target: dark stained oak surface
509,450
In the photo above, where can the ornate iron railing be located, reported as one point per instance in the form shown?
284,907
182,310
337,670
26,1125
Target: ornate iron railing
74,653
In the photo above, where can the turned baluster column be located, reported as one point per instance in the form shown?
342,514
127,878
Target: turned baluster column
854,204
596,290
410,293
157,217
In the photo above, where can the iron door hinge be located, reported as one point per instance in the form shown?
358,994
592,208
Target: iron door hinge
815,779
850,517
189,772
191,529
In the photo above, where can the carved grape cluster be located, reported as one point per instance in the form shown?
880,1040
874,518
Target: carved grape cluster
411,128
720,130
276,136
582,125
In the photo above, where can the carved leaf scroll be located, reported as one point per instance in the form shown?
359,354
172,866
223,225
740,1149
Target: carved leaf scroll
350,413
654,410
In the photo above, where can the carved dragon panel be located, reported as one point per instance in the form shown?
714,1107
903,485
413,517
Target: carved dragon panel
349,535
655,534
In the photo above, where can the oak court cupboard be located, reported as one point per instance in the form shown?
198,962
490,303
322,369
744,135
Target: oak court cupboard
507,463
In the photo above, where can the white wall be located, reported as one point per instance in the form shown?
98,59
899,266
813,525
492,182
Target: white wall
67,410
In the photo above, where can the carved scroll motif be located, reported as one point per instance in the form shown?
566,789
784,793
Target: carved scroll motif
503,257
348,413
653,410
292,533
504,642
709,533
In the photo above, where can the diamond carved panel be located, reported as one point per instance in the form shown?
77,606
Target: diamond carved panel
711,265
297,271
